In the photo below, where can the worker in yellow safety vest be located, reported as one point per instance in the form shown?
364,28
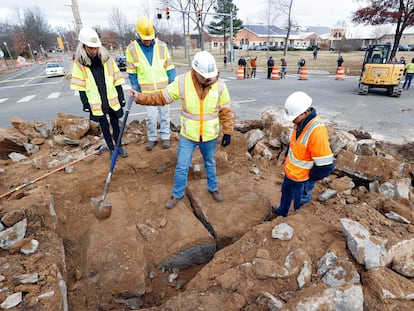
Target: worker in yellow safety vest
99,81
205,112
308,158
150,69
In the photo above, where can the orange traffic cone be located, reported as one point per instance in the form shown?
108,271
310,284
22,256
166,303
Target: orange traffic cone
340,73
240,73
275,73
303,75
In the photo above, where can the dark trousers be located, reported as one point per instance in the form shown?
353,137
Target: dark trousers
103,121
291,190
269,72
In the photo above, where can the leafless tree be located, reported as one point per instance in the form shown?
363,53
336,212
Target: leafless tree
34,30
285,7
119,25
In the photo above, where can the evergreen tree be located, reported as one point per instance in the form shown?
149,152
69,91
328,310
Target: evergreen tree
221,24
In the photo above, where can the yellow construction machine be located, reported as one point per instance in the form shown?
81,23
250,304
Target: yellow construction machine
378,71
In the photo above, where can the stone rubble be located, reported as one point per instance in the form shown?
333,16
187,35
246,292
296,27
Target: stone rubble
273,264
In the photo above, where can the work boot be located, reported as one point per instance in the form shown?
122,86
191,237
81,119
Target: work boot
122,152
165,143
272,215
217,196
150,145
172,202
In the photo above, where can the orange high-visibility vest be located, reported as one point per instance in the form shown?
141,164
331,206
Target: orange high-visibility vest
309,149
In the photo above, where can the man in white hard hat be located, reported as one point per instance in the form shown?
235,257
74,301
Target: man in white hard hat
99,81
150,69
205,112
308,158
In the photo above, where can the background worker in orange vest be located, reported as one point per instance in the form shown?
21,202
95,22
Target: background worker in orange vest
205,109
253,61
308,158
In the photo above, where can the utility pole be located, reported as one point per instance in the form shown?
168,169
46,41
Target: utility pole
76,16
220,14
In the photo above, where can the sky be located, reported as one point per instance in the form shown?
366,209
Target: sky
96,12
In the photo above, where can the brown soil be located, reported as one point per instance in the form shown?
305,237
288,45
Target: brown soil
139,188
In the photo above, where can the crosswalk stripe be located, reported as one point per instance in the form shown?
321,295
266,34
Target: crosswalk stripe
53,95
26,98
3,100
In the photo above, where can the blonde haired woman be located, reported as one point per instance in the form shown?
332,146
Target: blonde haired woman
99,81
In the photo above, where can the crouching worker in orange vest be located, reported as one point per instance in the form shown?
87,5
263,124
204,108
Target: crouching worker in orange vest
308,158
205,107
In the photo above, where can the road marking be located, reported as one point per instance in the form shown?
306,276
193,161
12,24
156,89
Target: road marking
26,98
53,95
27,85
243,101
3,100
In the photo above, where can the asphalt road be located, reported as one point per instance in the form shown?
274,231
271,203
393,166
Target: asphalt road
29,95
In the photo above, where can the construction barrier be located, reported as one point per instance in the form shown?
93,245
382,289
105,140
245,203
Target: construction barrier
303,75
240,73
275,73
340,73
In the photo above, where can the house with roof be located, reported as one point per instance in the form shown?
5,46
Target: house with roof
273,36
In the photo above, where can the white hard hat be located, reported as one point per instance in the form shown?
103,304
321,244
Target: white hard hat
296,104
89,37
205,64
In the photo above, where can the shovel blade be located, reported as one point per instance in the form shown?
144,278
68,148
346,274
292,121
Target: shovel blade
101,211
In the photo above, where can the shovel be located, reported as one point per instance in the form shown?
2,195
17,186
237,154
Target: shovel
103,210
97,151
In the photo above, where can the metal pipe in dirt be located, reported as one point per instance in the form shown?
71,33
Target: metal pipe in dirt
103,211
97,151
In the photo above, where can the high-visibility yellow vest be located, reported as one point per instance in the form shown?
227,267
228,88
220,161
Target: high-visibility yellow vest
410,67
150,77
309,149
83,80
199,117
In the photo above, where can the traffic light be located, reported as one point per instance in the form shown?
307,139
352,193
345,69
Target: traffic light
198,14
60,43
167,12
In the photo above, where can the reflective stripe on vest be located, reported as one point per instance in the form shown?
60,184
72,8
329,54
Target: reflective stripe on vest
150,77
83,80
298,168
199,118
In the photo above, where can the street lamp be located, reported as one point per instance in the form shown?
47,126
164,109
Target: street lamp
7,48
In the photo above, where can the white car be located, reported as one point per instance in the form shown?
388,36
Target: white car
54,69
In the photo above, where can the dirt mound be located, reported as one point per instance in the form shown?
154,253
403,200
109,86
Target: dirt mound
201,253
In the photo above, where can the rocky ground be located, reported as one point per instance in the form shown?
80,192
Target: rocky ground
351,248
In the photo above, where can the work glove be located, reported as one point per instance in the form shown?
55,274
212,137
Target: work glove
226,140
86,107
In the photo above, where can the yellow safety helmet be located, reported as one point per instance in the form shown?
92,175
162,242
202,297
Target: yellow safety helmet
145,29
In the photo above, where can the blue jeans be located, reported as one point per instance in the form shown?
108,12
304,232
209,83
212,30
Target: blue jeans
408,78
291,190
307,191
185,152
152,119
